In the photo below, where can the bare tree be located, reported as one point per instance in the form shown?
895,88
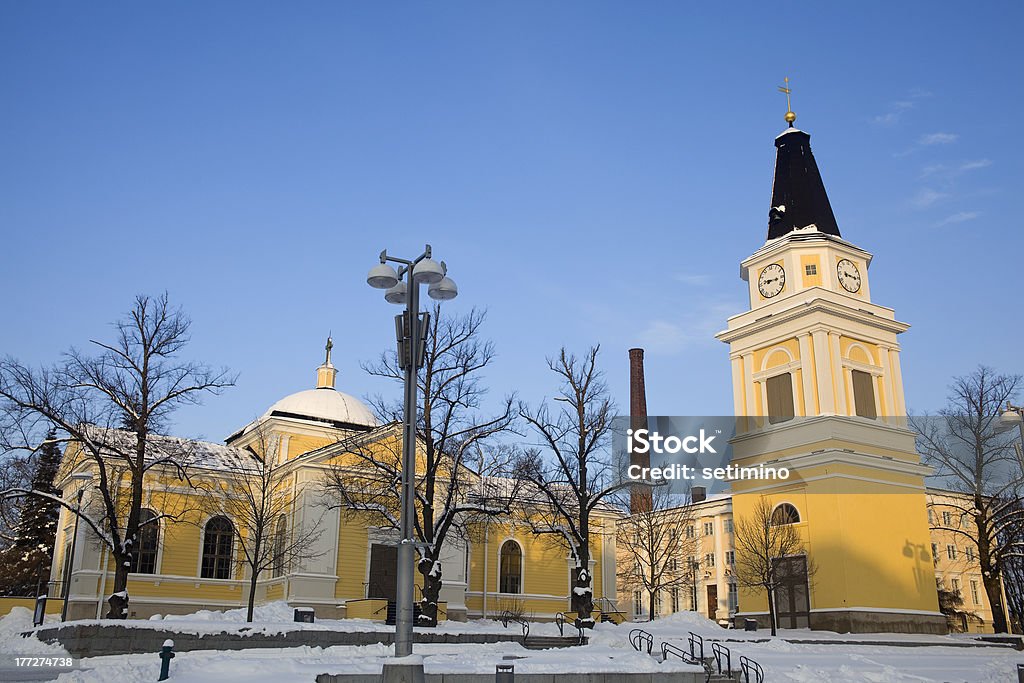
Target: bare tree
260,502
653,548
456,481
972,456
763,539
131,386
572,473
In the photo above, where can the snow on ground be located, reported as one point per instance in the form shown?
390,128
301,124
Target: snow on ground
784,661
18,621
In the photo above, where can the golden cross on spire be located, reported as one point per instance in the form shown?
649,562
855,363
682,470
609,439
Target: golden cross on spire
790,116
330,345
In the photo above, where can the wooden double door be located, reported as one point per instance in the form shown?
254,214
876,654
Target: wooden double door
792,595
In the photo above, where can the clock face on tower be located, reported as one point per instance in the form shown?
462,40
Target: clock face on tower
771,281
849,276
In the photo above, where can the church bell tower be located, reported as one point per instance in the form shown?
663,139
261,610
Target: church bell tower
818,389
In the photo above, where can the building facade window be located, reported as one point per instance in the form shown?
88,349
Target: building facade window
935,553
864,394
690,531
947,519
218,542
709,528
709,560
951,552
638,605
955,583
510,568
144,557
280,537
675,600
780,398
970,553
728,526
785,513
734,597
974,592
730,558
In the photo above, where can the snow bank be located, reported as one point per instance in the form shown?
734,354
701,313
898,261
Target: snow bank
18,621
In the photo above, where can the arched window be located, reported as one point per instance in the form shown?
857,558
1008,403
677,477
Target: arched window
218,539
280,534
785,514
144,557
510,568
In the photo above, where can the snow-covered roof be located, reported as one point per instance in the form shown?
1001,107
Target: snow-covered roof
186,452
324,405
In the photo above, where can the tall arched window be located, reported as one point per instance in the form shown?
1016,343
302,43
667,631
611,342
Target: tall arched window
279,542
510,568
785,514
144,557
218,539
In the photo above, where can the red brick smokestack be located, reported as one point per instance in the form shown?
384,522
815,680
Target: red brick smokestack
640,499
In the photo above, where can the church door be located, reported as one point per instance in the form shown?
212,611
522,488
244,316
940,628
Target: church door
383,572
792,598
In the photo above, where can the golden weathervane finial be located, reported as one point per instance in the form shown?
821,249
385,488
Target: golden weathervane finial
790,116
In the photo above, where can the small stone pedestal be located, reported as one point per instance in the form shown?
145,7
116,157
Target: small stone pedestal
403,670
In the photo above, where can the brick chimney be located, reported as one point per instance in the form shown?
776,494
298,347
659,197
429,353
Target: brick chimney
640,499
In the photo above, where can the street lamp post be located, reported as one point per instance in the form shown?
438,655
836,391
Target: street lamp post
410,331
82,478
694,566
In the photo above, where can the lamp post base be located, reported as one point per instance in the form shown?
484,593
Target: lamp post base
403,670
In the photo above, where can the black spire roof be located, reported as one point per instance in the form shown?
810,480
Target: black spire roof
798,195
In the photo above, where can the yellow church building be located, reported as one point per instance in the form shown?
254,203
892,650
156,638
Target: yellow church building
189,560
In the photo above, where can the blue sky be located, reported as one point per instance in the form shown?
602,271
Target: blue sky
591,172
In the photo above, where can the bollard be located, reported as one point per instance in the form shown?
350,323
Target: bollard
166,654
505,673
750,624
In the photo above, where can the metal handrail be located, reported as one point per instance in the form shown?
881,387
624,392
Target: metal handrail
560,622
695,640
668,648
507,616
638,635
748,666
719,650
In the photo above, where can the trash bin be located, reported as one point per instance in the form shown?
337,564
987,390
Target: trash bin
750,624
304,615
504,673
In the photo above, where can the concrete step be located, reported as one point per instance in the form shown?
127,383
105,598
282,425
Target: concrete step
548,642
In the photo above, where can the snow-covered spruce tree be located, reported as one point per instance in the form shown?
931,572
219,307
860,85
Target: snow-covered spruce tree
455,485
106,407
25,562
573,472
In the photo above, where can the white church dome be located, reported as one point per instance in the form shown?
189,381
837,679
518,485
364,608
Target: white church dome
325,404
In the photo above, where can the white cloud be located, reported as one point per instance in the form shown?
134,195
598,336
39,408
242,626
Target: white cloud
892,117
663,336
938,139
974,165
959,217
926,197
